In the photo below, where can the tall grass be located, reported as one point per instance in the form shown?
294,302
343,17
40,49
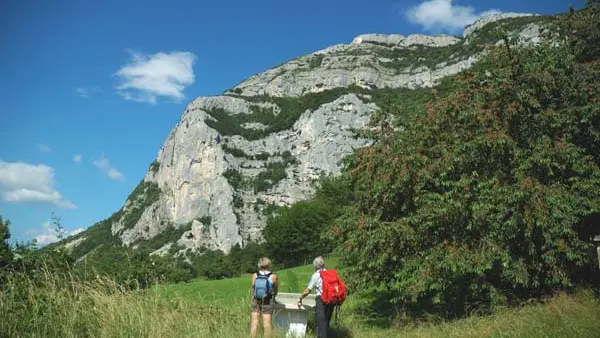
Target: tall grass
62,306
71,308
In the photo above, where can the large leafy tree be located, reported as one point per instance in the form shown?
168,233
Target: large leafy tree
483,198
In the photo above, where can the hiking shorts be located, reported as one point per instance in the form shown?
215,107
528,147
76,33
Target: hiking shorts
264,307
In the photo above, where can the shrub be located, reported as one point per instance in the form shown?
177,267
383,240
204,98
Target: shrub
234,178
482,199
267,179
206,220
233,151
238,202
316,61
155,166
263,156
170,235
275,172
143,196
291,108
93,237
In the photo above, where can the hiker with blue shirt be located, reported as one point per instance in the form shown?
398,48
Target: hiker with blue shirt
263,292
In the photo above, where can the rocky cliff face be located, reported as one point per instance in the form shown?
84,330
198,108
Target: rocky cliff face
232,158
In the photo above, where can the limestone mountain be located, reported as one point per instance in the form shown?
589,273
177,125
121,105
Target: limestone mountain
233,159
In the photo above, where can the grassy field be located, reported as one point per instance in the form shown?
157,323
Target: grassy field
221,309
222,292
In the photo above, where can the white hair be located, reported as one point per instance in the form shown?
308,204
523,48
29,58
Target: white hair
319,263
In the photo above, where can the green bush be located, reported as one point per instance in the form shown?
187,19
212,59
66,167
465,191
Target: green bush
214,264
143,196
490,34
155,166
135,269
263,156
206,220
238,202
170,235
234,178
233,151
291,108
316,61
404,58
275,172
267,179
271,210
95,236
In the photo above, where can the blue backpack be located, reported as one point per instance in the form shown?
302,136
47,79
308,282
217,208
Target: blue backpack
262,288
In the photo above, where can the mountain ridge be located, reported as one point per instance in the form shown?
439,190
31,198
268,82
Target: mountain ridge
234,158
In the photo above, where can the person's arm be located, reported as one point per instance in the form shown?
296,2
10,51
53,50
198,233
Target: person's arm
304,294
308,289
252,286
275,285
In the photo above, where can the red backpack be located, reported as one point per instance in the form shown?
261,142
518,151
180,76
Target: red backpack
334,289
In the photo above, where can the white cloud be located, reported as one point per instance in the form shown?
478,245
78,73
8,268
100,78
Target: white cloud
86,92
104,164
147,77
439,15
77,158
76,231
21,183
48,234
43,147
83,92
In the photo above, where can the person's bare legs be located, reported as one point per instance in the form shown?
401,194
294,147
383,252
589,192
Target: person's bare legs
267,325
254,324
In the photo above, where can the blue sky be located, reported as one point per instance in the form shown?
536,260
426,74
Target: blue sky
90,90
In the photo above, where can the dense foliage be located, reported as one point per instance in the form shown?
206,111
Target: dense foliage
133,268
290,109
214,264
144,195
273,173
294,235
6,256
130,267
483,199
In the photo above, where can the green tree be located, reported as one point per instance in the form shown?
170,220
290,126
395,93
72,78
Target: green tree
244,259
295,234
214,264
482,198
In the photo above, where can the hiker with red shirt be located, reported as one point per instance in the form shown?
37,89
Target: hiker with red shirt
323,310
